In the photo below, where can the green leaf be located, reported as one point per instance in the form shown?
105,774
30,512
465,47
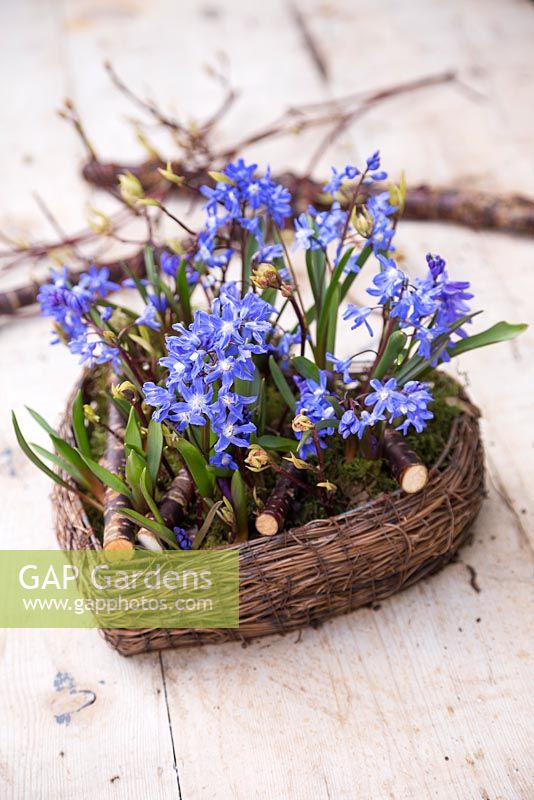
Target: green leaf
133,470
332,323
67,467
78,425
184,292
147,346
501,332
150,266
26,449
41,421
154,448
238,491
210,516
282,385
138,285
331,301
70,454
107,477
146,489
250,248
145,522
315,266
417,364
261,408
198,467
278,443
269,295
248,388
132,434
394,348
306,368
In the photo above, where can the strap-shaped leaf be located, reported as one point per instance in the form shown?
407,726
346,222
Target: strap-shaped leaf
135,464
146,489
145,522
282,385
184,292
206,525
315,266
107,477
62,464
280,443
26,449
198,467
78,425
394,348
41,421
132,434
238,491
306,368
154,448
501,332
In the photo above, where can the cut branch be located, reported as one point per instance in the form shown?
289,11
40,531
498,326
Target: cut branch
272,518
15,299
119,532
464,206
173,508
406,466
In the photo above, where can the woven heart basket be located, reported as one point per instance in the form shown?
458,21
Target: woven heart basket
305,575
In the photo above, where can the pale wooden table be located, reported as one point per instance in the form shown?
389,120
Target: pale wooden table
427,697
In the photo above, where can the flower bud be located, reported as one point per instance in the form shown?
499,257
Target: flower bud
257,459
90,414
130,188
170,176
363,223
99,222
124,391
109,337
301,423
266,277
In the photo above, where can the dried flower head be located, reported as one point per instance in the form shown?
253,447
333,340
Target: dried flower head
301,423
257,459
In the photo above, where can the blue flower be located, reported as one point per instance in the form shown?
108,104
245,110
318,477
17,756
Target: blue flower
161,398
304,232
266,254
96,280
373,162
93,350
349,424
148,318
389,281
385,396
383,231
169,263
359,316
183,541
341,366
223,461
337,178
231,431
